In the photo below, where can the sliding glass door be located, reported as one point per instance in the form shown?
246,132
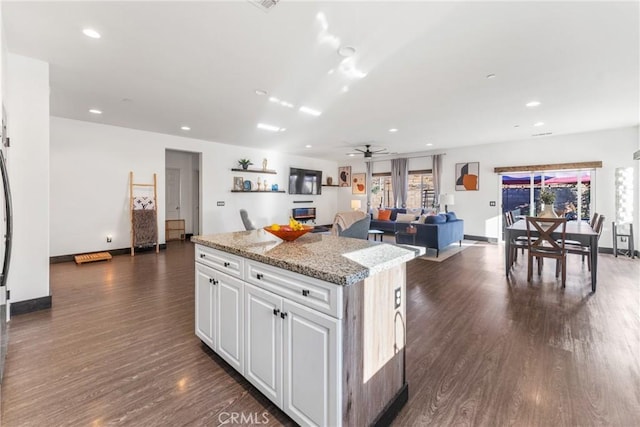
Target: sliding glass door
521,192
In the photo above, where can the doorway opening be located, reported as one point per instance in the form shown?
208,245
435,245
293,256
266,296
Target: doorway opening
182,194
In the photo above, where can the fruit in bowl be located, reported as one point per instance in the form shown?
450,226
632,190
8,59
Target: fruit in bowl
288,232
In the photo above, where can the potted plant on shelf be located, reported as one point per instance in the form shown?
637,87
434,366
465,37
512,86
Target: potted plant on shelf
547,197
244,163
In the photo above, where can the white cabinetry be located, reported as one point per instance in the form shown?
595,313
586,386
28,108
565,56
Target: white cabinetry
277,328
263,342
311,366
220,314
205,323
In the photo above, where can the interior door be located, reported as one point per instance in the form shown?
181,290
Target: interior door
172,194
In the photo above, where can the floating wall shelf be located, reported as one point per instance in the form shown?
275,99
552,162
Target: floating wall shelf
255,171
256,191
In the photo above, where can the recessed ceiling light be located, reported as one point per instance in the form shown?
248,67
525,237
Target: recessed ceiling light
429,144
346,51
185,128
308,110
539,124
282,129
491,76
345,88
273,99
532,104
307,146
271,128
91,33
94,111
331,71
261,92
286,104
393,130
351,155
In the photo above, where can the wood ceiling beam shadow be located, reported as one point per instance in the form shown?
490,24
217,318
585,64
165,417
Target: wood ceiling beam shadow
553,166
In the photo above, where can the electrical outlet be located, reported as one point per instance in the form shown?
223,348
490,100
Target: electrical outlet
492,203
220,203
109,239
397,298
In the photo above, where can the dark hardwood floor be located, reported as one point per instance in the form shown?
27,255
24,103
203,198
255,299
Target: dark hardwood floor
118,348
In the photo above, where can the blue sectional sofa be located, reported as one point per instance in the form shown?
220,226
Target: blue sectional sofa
437,233
390,226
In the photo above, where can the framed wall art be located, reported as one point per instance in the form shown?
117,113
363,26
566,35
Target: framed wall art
358,184
238,183
344,176
467,176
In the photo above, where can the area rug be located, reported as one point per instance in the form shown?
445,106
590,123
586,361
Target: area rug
447,252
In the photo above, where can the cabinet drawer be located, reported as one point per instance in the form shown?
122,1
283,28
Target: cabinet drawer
221,261
313,293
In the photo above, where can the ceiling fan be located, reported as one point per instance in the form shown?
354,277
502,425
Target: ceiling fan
368,152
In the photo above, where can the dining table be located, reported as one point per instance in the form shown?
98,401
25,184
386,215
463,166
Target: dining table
580,231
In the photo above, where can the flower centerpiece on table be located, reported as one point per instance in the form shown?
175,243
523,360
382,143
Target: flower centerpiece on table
547,196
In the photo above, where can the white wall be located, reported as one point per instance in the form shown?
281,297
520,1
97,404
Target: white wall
90,165
27,106
613,147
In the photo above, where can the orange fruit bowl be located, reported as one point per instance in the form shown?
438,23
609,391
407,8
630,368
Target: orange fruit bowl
286,233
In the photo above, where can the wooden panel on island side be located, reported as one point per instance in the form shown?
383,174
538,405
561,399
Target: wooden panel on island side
373,346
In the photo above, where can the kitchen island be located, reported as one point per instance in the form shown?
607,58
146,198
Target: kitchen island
317,325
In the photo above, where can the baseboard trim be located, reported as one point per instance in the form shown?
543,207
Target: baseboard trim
386,417
30,305
122,251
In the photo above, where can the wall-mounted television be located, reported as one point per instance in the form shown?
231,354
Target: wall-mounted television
305,181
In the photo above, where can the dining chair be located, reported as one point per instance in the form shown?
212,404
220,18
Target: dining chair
594,220
577,248
546,246
520,242
248,224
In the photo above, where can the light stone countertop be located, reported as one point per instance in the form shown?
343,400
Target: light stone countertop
339,260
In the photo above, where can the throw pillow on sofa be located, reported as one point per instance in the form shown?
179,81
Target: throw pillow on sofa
451,216
384,215
414,211
405,217
436,219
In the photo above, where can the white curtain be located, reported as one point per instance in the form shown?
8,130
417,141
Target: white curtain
400,182
369,171
437,178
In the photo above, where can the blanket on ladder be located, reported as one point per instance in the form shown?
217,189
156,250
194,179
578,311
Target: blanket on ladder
145,227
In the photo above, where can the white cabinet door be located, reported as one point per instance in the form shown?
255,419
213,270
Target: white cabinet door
263,342
205,295
229,316
311,373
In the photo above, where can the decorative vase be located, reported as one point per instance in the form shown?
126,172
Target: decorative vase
329,180
547,212
264,164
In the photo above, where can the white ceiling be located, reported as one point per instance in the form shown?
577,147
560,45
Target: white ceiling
161,65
